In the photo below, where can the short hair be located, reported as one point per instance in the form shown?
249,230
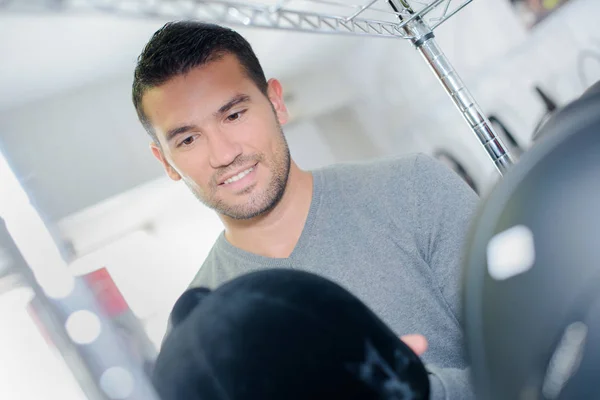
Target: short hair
180,46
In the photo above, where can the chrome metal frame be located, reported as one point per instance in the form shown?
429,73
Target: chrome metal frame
422,38
374,18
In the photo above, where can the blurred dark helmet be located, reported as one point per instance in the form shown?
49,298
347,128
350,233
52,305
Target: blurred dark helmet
283,334
532,267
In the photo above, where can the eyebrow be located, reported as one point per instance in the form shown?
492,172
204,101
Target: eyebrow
178,131
240,98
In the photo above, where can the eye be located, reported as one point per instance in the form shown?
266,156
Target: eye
187,141
235,116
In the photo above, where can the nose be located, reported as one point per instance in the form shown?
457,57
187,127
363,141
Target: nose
223,150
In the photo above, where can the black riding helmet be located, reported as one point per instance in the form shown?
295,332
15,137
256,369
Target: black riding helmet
283,334
532,268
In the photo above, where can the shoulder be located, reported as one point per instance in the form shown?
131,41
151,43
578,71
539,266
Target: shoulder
393,175
403,163
372,174
431,177
204,277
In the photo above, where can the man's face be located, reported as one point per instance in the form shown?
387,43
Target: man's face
221,135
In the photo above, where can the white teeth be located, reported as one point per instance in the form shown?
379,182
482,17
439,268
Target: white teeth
238,176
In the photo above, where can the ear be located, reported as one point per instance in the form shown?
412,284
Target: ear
275,93
157,152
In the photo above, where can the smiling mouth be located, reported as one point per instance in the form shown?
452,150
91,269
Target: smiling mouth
239,176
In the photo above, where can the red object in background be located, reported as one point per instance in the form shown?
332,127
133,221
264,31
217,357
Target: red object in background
106,292
114,306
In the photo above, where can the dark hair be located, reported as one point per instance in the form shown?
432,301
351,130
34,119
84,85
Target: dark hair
180,46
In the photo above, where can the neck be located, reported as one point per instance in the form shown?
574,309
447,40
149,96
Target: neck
276,232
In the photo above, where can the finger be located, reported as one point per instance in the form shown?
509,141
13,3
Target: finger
417,343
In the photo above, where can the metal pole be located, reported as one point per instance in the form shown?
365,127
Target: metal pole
423,39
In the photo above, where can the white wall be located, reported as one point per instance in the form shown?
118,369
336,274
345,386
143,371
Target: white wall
79,148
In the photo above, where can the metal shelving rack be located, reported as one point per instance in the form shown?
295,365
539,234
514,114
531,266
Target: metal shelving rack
397,19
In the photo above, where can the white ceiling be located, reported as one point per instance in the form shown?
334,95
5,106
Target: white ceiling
45,54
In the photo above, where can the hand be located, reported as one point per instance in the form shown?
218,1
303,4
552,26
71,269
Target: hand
417,343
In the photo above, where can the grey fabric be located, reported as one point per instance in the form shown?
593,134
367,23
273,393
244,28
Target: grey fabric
390,231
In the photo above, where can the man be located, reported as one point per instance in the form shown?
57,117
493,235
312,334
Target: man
389,231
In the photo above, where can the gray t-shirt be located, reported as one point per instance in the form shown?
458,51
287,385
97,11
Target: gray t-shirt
391,232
